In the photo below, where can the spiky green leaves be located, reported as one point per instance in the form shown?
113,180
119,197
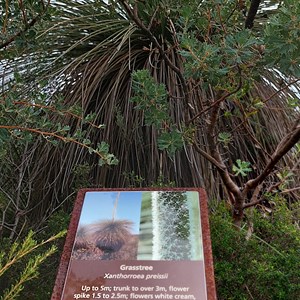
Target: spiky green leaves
241,168
16,254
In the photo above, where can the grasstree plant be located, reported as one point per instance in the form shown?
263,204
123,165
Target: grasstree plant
218,103
105,240
110,235
175,224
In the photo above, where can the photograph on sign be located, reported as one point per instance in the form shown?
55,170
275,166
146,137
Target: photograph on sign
139,225
108,227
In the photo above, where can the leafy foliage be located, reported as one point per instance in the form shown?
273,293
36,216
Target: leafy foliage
170,141
19,21
241,168
224,137
266,266
151,98
16,253
282,39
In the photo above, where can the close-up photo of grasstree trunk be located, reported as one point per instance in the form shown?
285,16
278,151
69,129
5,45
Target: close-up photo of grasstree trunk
170,227
162,93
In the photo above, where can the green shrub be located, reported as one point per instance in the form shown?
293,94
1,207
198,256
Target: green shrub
264,267
21,262
18,252
41,287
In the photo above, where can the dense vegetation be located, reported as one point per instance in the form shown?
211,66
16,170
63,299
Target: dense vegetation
263,266
155,93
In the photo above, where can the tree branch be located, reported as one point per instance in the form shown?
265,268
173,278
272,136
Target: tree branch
213,161
283,147
226,178
253,203
65,139
230,185
55,110
27,27
218,101
254,199
249,23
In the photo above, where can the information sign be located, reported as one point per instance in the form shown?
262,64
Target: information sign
137,244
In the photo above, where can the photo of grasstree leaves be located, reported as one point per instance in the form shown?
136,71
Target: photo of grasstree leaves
161,225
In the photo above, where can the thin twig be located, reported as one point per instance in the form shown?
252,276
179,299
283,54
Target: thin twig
152,18
51,134
266,100
220,18
285,145
280,90
27,27
217,102
5,23
21,6
290,190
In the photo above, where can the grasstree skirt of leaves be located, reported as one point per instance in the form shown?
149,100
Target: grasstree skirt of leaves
199,93
106,240
112,234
